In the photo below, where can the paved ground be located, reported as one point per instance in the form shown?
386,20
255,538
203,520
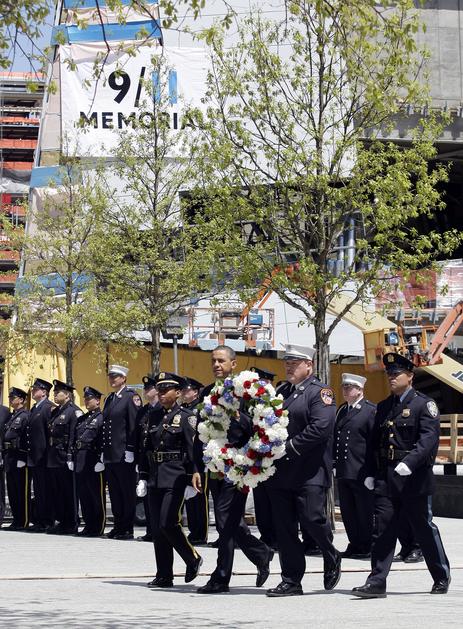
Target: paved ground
50,581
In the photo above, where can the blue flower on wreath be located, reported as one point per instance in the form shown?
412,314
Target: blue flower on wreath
271,419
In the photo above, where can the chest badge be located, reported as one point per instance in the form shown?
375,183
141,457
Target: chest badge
406,412
176,420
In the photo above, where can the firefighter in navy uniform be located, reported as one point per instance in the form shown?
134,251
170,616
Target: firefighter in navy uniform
88,467
36,445
4,417
119,445
352,439
17,474
404,447
166,463
61,432
230,502
150,394
299,486
197,508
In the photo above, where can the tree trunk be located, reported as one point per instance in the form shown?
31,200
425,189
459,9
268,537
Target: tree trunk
155,332
69,358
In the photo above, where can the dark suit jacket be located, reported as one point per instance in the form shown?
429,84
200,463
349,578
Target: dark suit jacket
14,434
352,439
88,442
309,448
36,433
119,426
412,426
61,429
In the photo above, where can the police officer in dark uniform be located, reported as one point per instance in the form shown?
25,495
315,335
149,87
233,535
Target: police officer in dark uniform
197,508
230,502
150,394
165,465
61,433
298,488
88,467
17,474
352,440
119,445
36,445
405,443
4,417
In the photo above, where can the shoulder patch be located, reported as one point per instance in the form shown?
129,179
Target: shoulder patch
432,408
136,401
79,413
192,420
327,396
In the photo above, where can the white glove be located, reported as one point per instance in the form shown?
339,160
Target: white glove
71,466
334,472
99,467
369,483
190,492
402,469
129,457
21,464
142,488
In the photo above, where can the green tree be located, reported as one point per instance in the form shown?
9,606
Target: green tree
158,261
292,150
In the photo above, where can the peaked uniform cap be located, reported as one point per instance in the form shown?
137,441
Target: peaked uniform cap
264,374
62,386
117,370
91,392
42,384
354,378
191,383
298,351
166,378
396,362
16,392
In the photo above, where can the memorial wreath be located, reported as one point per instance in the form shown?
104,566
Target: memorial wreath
253,463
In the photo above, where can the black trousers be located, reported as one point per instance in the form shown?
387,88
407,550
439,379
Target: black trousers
18,484
122,479
165,508
305,506
92,497
43,504
64,498
418,511
197,512
357,504
406,537
2,494
263,513
229,511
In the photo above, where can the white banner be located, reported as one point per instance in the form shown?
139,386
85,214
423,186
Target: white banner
94,111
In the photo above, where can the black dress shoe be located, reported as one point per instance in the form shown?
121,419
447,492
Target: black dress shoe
160,582
124,536
286,589
37,528
332,573
312,551
263,571
145,538
111,534
197,542
416,556
214,544
54,530
441,586
347,554
398,557
192,570
360,556
212,587
369,591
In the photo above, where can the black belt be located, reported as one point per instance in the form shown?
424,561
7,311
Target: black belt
162,457
10,445
57,442
392,454
81,445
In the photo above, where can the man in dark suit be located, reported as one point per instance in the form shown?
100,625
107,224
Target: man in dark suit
229,502
61,431
36,445
404,447
4,417
352,436
17,475
88,468
119,445
298,488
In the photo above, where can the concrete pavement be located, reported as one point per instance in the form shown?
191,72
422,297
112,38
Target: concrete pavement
53,581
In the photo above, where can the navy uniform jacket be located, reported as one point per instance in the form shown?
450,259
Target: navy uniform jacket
143,414
119,426
4,417
409,431
309,448
14,439
61,431
36,433
88,441
171,432
352,439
